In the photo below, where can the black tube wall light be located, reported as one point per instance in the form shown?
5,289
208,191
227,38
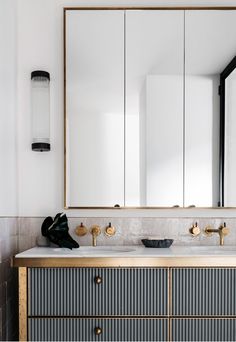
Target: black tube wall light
40,107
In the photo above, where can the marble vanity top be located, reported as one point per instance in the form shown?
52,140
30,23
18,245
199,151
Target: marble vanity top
128,251
102,256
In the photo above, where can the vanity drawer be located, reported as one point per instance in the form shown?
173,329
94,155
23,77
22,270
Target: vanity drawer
201,291
83,329
74,291
196,329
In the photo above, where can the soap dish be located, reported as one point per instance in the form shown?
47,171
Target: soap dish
165,243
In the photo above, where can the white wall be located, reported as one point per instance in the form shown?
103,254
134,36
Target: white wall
8,186
40,45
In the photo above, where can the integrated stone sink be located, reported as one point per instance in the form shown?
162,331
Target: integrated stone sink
96,250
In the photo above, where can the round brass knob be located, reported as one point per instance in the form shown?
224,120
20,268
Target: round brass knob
195,230
98,280
98,331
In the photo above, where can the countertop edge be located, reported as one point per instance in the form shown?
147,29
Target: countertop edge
168,262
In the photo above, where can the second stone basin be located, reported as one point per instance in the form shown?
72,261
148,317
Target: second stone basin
206,250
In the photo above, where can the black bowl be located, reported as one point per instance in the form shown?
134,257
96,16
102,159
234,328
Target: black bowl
166,243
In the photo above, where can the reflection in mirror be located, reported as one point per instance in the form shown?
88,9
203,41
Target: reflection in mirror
228,136
154,108
209,46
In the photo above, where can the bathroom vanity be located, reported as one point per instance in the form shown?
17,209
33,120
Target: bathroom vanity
127,294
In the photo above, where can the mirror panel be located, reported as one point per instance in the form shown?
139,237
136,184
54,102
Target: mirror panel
209,46
230,137
154,108
94,108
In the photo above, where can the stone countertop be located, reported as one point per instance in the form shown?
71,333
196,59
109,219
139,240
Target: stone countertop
128,256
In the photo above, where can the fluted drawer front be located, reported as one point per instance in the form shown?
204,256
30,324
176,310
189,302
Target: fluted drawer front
72,329
204,292
203,329
74,292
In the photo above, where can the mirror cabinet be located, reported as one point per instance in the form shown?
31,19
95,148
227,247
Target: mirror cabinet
144,123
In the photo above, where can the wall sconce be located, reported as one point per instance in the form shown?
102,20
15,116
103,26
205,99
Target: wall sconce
40,106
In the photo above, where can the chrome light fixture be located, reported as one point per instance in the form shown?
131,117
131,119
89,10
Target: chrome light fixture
40,106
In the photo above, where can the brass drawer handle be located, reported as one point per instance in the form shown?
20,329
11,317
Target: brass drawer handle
98,331
98,280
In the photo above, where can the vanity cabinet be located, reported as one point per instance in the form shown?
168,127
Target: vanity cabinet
162,303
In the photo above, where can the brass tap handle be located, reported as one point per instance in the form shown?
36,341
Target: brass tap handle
98,280
110,230
195,230
98,331
81,230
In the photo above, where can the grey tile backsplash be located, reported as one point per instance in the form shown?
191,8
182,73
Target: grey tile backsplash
8,279
130,231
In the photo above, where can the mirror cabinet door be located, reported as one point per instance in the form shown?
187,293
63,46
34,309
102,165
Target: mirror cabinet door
154,108
94,108
210,45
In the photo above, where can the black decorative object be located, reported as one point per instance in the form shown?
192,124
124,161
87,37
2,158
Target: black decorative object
165,243
57,231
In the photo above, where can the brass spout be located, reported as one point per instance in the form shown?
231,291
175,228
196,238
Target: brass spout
95,231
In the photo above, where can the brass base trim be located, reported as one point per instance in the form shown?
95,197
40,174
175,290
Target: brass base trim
162,262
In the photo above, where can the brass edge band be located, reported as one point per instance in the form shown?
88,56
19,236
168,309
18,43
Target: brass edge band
150,8
132,317
224,261
23,304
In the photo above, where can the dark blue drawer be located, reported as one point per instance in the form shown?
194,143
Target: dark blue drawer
204,329
209,292
74,292
72,329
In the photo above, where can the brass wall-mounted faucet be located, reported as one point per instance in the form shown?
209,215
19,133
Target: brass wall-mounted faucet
222,231
95,230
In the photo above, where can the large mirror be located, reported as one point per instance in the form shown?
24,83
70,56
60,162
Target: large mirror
142,107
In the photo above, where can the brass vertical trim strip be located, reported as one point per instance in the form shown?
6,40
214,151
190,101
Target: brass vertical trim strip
184,109
169,303
124,82
22,304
